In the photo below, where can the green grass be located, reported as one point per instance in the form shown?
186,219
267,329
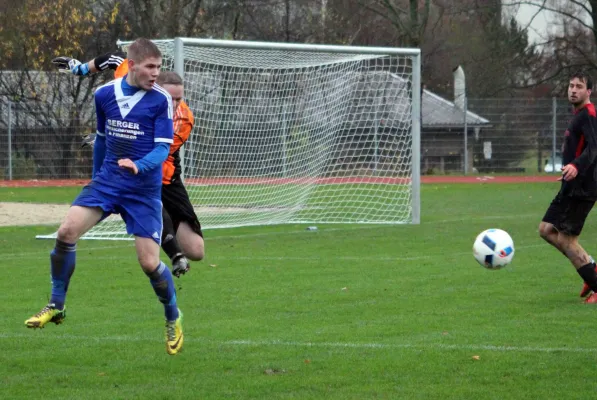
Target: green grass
345,312
529,162
60,195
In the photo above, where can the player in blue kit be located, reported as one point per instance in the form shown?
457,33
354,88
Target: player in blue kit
134,133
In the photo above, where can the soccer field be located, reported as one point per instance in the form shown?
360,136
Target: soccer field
344,312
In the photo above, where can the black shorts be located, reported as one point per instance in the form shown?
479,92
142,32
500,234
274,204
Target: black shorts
176,201
568,214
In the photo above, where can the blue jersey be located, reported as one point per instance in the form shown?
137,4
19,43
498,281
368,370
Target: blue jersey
133,121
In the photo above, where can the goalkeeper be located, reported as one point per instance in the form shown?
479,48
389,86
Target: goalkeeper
182,236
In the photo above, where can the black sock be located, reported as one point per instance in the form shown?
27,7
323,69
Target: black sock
588,274
169,242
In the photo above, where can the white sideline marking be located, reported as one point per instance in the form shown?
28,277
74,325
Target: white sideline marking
45,254
357,227
292,232
273,343
490,217
364,258
440,346
131,245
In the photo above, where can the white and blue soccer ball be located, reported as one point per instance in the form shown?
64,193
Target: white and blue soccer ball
493,249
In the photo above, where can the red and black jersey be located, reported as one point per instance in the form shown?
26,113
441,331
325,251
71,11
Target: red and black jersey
580,149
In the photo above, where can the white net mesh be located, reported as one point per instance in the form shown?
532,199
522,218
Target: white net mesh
294,137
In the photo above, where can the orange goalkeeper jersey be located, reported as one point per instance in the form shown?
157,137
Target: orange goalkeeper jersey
121,70
183,125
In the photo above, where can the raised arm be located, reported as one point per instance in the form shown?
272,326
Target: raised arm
110,60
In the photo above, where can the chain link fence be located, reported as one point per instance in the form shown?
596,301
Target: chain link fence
525,134
39,141
522,136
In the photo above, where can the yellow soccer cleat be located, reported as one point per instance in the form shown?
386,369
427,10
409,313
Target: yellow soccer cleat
174,335
47,314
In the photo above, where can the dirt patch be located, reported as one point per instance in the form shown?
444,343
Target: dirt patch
15,214
18,214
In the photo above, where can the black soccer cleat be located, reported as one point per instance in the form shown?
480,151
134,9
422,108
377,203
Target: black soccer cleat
180,266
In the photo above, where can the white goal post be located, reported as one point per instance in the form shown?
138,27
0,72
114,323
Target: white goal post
297,133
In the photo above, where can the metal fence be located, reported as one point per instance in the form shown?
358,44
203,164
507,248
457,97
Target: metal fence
38,141
522,136
525,135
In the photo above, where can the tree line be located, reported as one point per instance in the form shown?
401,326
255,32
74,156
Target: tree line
480,35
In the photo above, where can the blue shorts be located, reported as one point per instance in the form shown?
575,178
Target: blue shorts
141,214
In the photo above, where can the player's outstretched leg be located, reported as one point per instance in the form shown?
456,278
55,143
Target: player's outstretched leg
586,289
62,260
180,264
163,285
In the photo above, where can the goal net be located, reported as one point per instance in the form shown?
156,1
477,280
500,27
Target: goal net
297,133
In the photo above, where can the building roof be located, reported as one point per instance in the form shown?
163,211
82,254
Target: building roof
441,113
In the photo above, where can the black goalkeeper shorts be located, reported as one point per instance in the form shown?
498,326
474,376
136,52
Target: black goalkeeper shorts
568,214
175,200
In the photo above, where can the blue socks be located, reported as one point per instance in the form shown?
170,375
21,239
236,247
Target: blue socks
62,262
163,285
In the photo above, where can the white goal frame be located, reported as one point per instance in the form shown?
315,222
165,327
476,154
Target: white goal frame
174,59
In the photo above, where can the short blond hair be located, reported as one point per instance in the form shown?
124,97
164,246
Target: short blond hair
169,78
142,49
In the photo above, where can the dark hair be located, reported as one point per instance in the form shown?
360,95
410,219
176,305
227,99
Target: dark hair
141,49
583,77
169,78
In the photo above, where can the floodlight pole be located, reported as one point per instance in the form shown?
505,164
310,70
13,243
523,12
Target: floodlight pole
465,135
10,140
554,117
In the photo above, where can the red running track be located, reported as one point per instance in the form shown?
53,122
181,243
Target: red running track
278,181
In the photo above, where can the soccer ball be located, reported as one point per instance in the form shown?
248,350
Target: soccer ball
493,249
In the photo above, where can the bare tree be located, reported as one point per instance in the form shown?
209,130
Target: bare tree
54,109
159,19
410,19
497,58
280,20
569,44
583,13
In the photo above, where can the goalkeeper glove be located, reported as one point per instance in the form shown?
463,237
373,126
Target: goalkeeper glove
88,140
72,65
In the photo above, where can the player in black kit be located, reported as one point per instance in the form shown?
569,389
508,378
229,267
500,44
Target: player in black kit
566,215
